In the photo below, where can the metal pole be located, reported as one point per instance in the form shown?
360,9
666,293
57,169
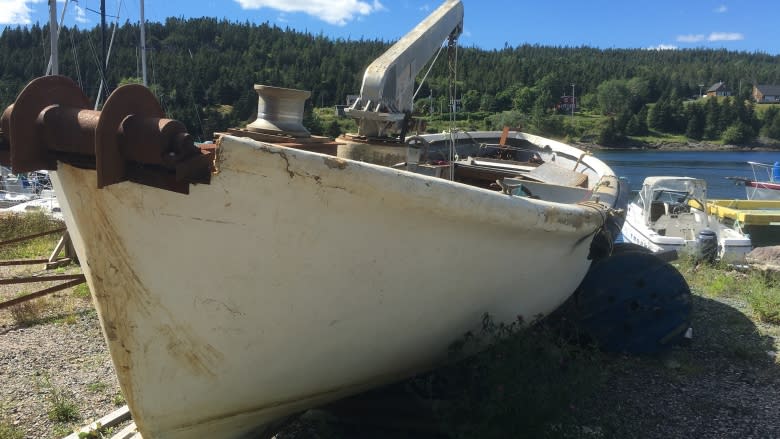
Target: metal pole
572,100
143,44
103,36
53,33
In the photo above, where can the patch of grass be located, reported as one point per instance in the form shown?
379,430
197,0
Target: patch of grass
62,407
67,319
81,290
763,295
759,289
710,280
61,431
119,399
97,387
29,313
19,225
93,434
10,432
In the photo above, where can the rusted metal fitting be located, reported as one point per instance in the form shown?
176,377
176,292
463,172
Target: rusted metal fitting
130,139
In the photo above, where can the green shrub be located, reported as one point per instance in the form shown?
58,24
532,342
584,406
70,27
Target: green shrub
763,295
737,134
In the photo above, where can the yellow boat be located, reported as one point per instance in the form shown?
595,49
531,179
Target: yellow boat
758,218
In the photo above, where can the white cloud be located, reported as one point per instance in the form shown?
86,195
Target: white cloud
16,11
337,12
663,47
725,36
80,15
714,36
721,9
691,38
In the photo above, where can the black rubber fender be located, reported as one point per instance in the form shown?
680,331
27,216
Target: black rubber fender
633,302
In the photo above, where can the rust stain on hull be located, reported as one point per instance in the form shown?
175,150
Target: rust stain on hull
122,299
335,163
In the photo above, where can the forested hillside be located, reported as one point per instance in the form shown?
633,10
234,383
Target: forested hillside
203,71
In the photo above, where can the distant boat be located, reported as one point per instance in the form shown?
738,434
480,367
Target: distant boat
22,187
47,205
765,184
670,213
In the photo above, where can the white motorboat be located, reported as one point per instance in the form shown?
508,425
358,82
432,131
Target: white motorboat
670,213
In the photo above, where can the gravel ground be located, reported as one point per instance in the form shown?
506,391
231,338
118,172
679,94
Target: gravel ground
63,355
724,384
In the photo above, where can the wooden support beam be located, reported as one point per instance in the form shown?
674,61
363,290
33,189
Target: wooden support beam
50,265
29,237
62,243
110,420
42,293
34,279
23,262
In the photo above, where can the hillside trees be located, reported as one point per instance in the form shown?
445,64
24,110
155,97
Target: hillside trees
203,71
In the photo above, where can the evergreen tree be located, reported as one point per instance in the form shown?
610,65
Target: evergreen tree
334,130
609,135
695,127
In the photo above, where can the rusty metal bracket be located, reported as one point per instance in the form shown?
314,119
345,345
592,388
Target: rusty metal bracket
129,140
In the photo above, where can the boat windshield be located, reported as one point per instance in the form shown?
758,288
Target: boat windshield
673,194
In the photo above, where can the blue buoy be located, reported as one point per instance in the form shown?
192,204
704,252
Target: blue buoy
776,172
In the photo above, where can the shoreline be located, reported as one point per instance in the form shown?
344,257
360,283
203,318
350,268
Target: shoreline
633,145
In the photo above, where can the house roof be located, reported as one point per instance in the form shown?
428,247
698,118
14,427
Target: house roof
718,86
769,90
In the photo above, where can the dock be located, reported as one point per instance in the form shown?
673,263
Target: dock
758,218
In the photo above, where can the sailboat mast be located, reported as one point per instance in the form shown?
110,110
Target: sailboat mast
53,34
103,38
143,44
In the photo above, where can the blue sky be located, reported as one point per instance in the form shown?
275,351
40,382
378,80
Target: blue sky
745,25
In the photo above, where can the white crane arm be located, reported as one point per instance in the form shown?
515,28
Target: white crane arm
388,84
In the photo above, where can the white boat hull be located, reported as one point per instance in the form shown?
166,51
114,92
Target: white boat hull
732,245
296,278
756,190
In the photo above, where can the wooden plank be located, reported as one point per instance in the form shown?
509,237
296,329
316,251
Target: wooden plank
27,238
23,262
35,279
110,420
57,263
129,432
60,245
504,135
553,174
41,293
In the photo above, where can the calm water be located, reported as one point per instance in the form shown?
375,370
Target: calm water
713,167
